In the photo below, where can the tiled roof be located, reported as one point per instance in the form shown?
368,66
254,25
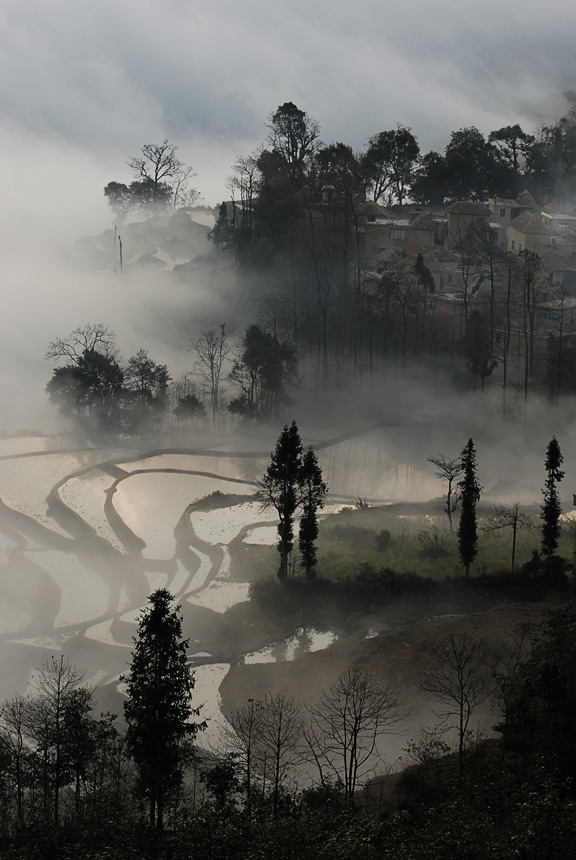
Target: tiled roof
468,207
442,254
422,221
373,210
529,222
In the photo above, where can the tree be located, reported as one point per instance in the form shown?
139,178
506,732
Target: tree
264,370
510,517
530,273
222,233
212,349
293,135
120,200
448,470
89,390
345,725
280,730
457,676
86,338
157,164
313,491
388,163
430,179
293,481
479,359
13,733
551,509
146,378
473,171
470,490
512,146
146,387
280,487
243,744
57,683
158,710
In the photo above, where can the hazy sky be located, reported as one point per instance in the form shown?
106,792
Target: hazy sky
84,84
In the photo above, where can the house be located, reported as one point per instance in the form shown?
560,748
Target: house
462,214
441,262
399,234
503,211
532,231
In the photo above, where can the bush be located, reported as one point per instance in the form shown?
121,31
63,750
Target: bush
383,540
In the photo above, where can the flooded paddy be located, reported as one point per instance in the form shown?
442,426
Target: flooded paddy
86,536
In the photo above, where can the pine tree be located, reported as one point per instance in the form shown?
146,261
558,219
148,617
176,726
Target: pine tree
158,711
313,491
551,510
293,481
280,487
470,491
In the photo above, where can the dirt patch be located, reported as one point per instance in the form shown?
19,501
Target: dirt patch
398,659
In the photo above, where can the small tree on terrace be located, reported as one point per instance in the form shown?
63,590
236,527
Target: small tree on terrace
551,510
159,711
470,490
293,481
280,487
345,725
510,517
448,470
313,491
458,678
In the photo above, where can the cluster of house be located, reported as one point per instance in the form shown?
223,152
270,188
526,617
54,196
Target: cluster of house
516,225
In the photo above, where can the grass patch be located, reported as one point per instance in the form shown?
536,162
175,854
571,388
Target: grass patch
418,542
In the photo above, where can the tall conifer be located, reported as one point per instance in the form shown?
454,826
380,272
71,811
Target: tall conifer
470,490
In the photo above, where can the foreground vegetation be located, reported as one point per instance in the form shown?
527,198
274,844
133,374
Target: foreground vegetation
512,796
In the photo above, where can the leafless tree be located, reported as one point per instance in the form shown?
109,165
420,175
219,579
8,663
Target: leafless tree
280,733
157,163
448,470
512,653
55,681
92,336
212,349
344,727
510,517
182,195
244,182
458,677
13,734
242,741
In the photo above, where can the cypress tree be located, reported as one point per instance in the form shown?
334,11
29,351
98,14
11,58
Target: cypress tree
158,710
313,491
470,490
551,510
280,487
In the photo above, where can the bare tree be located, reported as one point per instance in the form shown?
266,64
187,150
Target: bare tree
510,517
448,470
212,349
182,195
242,741
280,731
86,338
55,682
13,734
458,678
345,724
157,163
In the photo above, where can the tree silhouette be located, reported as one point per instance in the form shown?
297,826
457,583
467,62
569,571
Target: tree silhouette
551,510
158,711
469,496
